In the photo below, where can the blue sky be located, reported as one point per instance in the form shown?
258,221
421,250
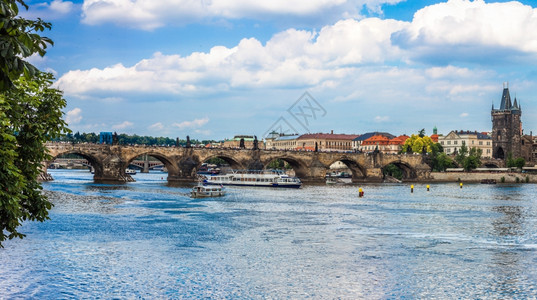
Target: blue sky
212,69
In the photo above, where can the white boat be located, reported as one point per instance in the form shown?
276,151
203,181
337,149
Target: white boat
264,178
334,180
202,191
130,172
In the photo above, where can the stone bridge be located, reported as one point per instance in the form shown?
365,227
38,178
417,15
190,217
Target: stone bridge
110,161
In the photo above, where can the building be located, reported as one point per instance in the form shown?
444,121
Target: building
106,138
357,142
453,141
325,142
506,127
281,141
383,144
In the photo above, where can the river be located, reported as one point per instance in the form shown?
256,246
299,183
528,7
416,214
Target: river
149,240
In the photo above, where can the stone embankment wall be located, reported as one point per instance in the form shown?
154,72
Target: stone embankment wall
478,176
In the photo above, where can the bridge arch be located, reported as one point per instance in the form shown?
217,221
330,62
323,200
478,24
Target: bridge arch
409,172
95,162
166,161
299,167
232,162
359,172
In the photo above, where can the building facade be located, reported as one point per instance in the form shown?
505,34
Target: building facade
282,142
453,141
506,127
357,142
383,144
325,142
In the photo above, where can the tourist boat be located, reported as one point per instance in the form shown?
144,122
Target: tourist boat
202,191
130,171
263,178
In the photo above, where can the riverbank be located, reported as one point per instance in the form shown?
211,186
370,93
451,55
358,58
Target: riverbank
508,177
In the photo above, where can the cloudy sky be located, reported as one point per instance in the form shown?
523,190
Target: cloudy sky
212,69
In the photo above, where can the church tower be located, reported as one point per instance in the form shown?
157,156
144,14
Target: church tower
506,127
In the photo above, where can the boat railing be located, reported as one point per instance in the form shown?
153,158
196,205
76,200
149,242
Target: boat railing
277,172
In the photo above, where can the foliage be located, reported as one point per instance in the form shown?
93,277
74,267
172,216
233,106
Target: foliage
30,114
469,159
502,180
19,39
125,139
415,144
461,154
441,162
393,170
518,162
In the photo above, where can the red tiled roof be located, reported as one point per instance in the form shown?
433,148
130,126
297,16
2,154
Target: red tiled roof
376,139
400,140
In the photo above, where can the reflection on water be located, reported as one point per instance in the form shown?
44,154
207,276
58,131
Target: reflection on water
150,240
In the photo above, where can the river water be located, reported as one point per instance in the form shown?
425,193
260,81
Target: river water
149,240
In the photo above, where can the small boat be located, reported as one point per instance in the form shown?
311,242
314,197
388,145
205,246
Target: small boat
263,178
202,191
488,181
334,180
130,172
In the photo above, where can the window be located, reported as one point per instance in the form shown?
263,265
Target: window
449,142
455,142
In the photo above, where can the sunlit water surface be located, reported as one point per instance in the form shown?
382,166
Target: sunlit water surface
149,240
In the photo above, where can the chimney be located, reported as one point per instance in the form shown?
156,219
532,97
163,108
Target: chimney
331,131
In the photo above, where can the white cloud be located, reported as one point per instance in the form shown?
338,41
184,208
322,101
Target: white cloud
73,116
122,126
192,124
464,115
156,126
470,30
53,10
149,15
295,58
380,119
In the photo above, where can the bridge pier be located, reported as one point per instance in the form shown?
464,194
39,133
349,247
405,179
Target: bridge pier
112,171
145,169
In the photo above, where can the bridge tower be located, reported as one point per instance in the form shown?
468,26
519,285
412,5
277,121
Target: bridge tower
506,127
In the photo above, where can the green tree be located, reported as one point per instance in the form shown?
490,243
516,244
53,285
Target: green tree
441,162
416,144
469,159
30,114
461,154
520,162
19,39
